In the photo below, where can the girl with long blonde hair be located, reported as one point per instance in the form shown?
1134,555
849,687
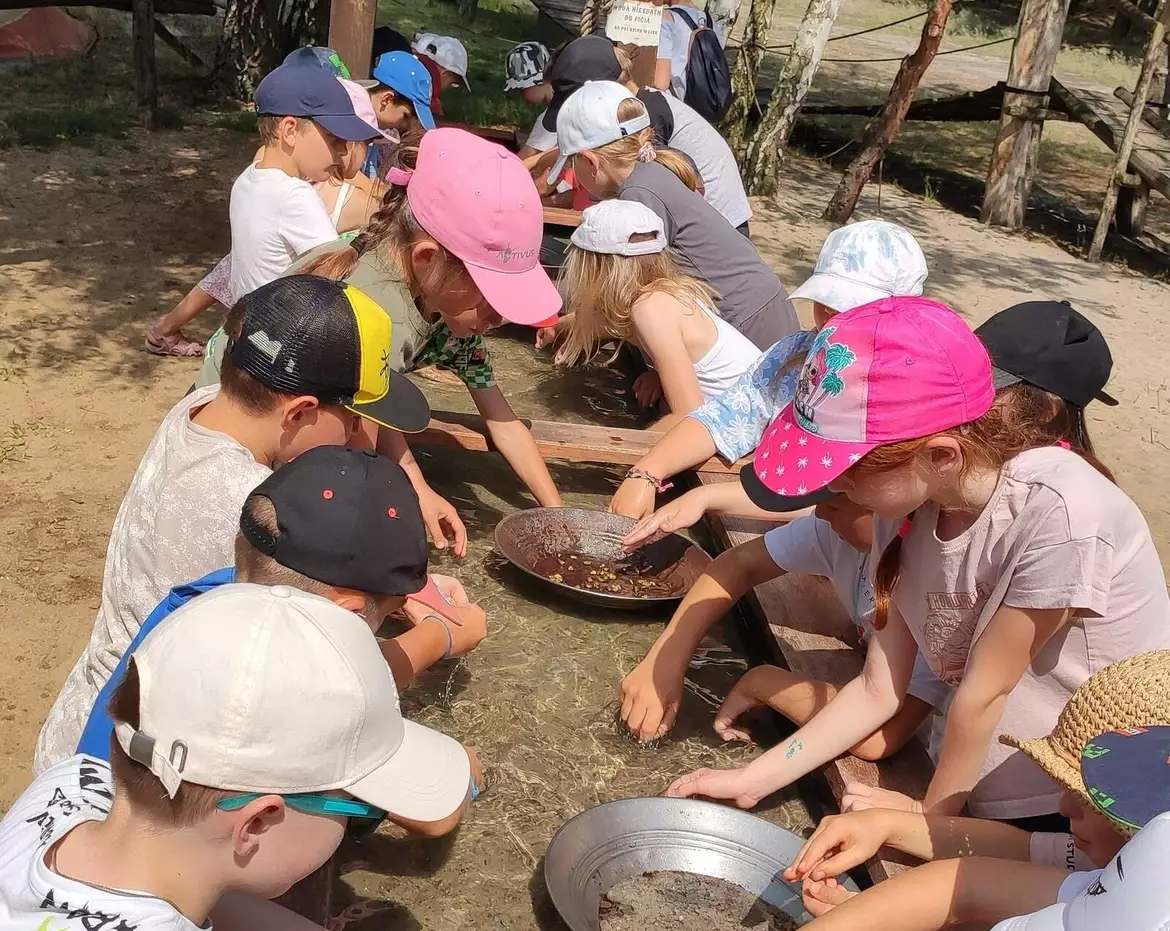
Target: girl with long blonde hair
620,282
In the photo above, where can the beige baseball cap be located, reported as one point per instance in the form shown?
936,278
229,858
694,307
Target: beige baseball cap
275,691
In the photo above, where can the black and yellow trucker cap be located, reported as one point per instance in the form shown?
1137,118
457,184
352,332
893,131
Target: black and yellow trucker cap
308,335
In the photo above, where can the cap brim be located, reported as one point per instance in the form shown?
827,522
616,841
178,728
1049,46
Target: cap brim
839,294
526,297
1106,399
558,169
1047,919
554,107
403,408
422,109
368,84
1041,752
427,778
793,463
349,128
762,497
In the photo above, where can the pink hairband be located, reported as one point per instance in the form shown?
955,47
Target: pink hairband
399,176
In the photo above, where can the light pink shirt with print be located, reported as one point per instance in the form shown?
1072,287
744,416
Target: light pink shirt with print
1055,534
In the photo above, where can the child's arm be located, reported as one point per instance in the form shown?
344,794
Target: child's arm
860,708
431,639
658,326
688,444
842,842
436,510
996,663
939,895
512,438
652,692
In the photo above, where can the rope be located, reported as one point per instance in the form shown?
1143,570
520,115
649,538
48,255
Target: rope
954,51
848,35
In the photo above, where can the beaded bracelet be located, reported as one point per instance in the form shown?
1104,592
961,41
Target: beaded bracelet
659,485
447,630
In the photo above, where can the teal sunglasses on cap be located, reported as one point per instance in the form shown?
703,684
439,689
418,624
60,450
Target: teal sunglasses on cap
313,804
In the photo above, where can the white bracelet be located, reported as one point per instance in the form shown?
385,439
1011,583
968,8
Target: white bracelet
446,628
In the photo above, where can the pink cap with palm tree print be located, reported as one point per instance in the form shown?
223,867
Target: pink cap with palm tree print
894,370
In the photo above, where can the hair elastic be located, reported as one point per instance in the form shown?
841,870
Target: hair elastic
646,153
1064,444
905,527
399,176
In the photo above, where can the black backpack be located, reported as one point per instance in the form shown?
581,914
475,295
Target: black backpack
708,74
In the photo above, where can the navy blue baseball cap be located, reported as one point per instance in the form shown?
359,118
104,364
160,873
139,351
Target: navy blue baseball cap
311,93
1127,774
405,75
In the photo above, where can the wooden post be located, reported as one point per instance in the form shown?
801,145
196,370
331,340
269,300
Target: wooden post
1121,163
145,67
1017,143
351,34
761,168
881,131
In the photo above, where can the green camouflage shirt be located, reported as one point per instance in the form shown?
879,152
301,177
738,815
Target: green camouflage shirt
466,356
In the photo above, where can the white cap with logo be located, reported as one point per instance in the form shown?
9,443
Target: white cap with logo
589,120
1130,894
607,228
865,262
276,691
445,51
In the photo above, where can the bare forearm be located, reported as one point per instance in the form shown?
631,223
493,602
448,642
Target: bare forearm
940,837
411,652
688,444
970,725
731,500
393,444
517,446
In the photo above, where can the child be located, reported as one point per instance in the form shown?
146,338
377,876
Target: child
524,68
679,21
858,263
400,91
363,547
1022,572
306,117
622,284
349,194
446,60
253,730
1133,693
604,131
281,395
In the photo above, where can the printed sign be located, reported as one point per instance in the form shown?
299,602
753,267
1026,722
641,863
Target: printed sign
635,22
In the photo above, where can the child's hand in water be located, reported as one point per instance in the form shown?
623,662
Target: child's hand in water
648,388
860,797
822,897
634,498
751,691
546,336
840,843
683,512
650,697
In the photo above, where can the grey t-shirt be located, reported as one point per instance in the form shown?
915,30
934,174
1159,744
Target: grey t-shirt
712,156
750,296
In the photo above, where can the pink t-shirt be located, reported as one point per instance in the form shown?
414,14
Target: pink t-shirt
1055,534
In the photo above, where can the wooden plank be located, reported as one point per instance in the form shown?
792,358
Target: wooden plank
171,41
562,216
312,897
351,34
575,442
1149,114
815,637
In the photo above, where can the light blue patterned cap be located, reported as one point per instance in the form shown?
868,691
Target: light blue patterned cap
865,262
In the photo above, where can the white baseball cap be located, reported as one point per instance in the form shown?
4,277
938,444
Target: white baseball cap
275,691
589,119
865,262
608,226
1130,894
445,51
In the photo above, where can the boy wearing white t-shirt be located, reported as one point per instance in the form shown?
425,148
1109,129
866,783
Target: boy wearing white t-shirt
306,364
252,731
306,121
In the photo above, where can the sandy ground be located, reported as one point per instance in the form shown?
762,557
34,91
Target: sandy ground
99,240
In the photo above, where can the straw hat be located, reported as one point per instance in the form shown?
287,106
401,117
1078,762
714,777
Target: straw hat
1132,693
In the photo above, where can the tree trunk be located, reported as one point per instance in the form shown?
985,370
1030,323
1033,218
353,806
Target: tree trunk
762,164
1017,143
746,76
258,34
467,10
145,66
881,131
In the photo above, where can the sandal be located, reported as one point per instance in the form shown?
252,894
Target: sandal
176,344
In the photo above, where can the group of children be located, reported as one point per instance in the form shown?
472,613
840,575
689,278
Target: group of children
1008,594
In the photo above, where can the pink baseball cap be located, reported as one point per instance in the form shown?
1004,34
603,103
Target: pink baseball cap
479,202
364,110
893,370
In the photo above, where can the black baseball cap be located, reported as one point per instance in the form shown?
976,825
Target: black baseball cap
1127,774
589,58
1051,346
312,93
763,497
346,517
308,335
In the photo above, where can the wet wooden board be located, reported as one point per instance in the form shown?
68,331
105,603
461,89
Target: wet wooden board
814,636
575,442
312,897
562,216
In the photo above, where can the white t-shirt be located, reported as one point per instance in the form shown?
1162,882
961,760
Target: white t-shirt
275,218
697,138
177,522
32,896
808,544
1055,534
729,357
1058,850
674,42
540,138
